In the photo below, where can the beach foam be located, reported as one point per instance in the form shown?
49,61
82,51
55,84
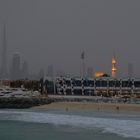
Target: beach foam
125,128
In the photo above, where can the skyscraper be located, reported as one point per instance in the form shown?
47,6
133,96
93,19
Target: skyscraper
4,55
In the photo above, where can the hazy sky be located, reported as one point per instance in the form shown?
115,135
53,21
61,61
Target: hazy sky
55,32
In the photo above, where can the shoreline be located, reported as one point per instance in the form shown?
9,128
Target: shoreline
88,106
53,102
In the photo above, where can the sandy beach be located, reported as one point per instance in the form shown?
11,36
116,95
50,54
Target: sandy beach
91,106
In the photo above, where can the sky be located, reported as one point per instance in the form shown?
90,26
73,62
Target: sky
55,32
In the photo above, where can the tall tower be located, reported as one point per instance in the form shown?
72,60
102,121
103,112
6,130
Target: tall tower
4,55
114,68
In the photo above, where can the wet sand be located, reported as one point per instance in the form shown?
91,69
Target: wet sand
91,106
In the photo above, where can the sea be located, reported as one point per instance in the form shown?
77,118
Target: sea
40,124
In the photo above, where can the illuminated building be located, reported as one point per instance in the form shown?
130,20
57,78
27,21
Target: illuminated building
99,74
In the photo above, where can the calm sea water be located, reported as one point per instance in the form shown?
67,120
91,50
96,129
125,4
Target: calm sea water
38,124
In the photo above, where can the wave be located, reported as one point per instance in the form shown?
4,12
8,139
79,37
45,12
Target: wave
125,128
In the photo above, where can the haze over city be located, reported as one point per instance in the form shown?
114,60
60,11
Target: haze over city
57,32
69,69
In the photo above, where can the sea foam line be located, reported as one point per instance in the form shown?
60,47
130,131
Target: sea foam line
125,128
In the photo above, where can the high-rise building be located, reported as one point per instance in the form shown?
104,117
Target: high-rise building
3,73
15,67
114,68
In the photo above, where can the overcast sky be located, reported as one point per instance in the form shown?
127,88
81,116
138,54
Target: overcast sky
55,32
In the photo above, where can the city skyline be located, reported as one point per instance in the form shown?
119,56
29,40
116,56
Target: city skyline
7,72
21,71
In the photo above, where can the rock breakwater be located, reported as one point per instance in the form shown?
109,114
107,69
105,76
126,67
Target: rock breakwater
23,102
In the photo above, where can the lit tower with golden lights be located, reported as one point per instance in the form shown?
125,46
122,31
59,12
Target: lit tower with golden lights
114,68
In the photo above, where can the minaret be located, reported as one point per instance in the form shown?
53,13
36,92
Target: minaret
114,69
4,53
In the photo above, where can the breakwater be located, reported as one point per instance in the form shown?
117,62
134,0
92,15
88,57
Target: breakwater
23,102
27,102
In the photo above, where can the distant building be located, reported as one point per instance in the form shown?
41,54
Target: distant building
99,74
15,67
